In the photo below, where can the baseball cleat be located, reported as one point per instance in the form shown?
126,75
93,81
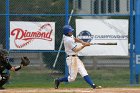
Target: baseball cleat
96,87
57,83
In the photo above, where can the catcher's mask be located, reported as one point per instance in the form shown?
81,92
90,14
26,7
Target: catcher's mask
4,53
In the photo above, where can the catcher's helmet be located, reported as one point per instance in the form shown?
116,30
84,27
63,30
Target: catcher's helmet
4,52
67,29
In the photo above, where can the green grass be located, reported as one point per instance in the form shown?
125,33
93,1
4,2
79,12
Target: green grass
36,78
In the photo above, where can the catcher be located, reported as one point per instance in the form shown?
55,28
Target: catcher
4,64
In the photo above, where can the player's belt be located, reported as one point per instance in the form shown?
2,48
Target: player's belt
71,55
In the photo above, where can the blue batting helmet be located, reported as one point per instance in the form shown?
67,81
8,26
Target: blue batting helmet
67,29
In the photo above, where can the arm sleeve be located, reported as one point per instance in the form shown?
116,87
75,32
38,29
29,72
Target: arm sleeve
8,66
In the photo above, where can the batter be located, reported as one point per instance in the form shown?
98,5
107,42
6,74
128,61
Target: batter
75,65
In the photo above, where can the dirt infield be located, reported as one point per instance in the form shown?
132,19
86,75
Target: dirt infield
71,90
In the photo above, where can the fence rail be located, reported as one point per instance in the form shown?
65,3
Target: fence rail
58,11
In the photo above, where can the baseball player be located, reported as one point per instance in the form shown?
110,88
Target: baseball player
4,64
74,64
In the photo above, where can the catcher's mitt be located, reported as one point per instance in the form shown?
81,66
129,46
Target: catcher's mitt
25,61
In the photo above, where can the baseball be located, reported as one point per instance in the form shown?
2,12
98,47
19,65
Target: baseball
99,86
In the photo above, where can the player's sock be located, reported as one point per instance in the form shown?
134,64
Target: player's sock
64,79
88,80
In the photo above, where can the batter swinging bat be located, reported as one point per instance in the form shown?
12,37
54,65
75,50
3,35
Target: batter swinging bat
103,43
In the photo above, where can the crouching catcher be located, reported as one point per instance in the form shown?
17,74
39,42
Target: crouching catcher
4,64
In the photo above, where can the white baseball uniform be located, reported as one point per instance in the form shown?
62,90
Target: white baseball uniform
75,65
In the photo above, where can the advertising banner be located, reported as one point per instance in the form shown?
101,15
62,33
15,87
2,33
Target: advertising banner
32,35
111,33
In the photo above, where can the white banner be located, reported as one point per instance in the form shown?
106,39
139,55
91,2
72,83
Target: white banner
103,31
32,35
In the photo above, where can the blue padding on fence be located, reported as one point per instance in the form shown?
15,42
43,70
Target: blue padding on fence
7,24
137,38
137,47
65,15
131,43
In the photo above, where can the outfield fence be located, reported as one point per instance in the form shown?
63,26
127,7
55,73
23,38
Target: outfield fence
105,70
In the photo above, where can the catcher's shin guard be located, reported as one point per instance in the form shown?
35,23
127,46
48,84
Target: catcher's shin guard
5,78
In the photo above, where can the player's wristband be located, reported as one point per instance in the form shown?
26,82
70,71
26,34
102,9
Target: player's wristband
0,78
17,68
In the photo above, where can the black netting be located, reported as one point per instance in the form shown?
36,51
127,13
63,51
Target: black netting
107,71
37,6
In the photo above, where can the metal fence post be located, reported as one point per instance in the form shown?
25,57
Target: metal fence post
131,43
137,39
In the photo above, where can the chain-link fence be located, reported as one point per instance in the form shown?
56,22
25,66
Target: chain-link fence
105,70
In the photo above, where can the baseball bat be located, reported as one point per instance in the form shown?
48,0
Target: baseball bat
103,43
54,64
70,16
